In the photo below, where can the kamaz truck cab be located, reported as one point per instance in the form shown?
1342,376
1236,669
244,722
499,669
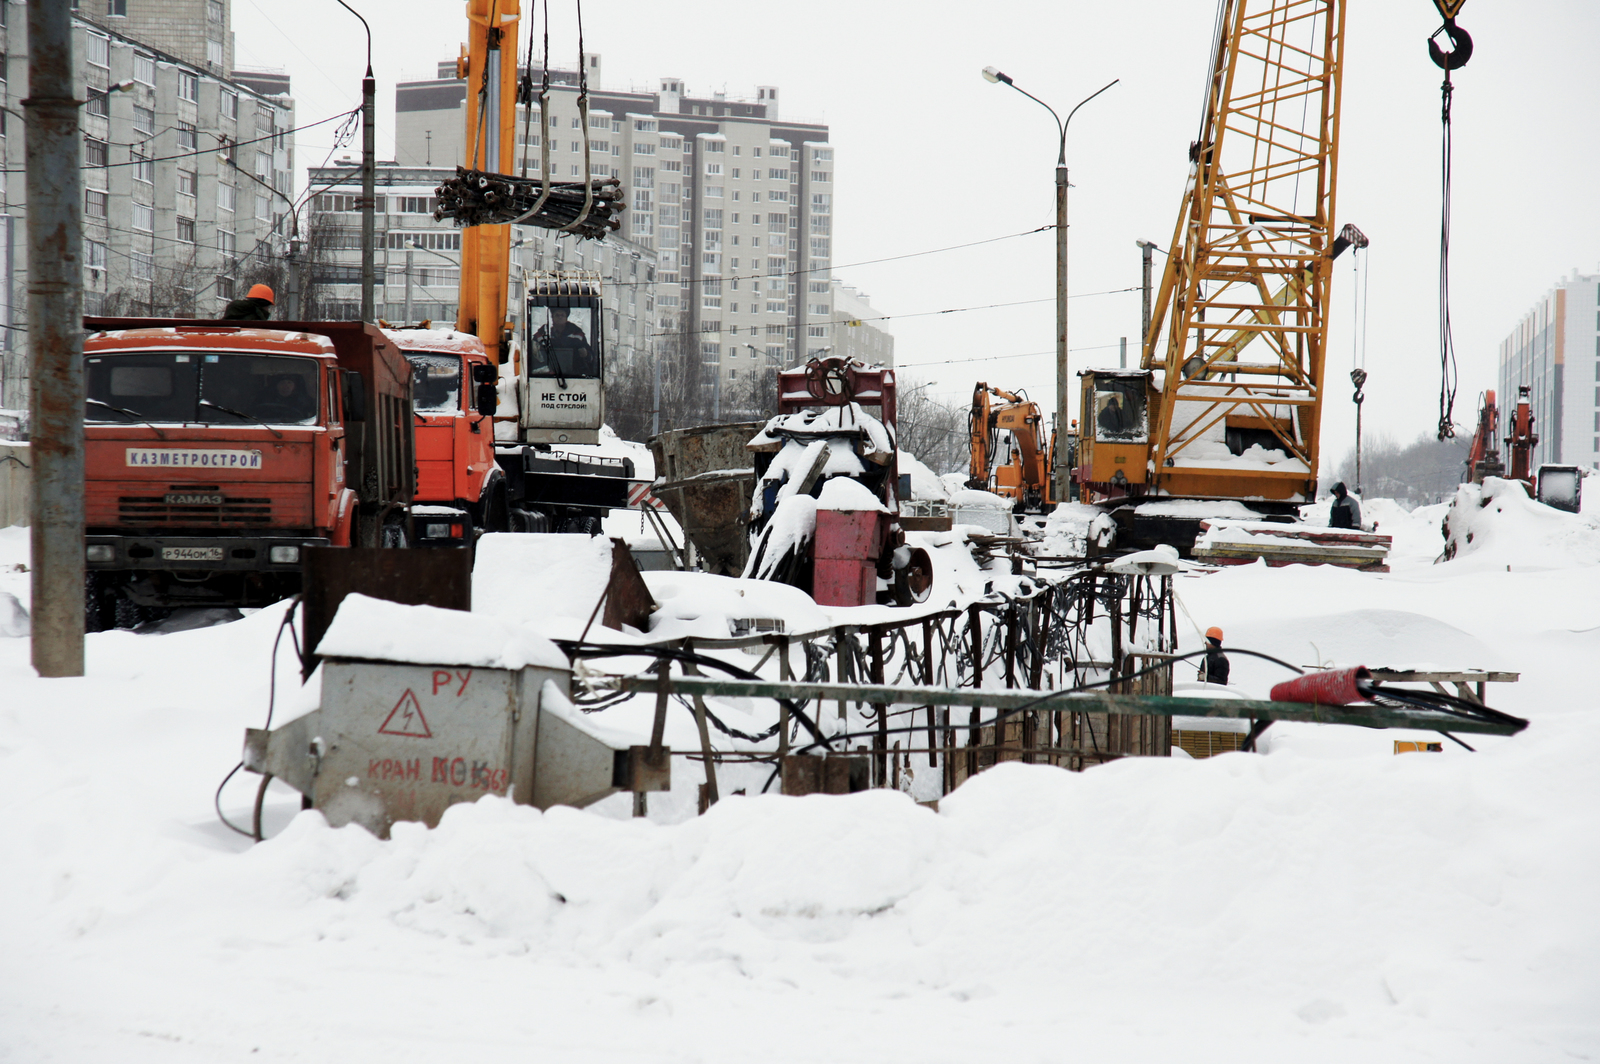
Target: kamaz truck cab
216,452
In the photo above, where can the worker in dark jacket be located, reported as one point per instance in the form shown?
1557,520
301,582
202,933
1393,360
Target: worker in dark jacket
1216,660
1346,512
257,306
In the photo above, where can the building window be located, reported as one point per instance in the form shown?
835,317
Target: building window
671,143
711,350
144,217
144,120
214,53
821,226
94,152
821,203
186,182
819,309
94,254
601,147
822,155
143,266
144,68
263,207
97,50
227,197
264,165
713,169
715,145
227,245
143,169
117,8
186,230
640,148
778,174
188,86
779,151
735,176
214,12
819,331
644,177
97,104
778,197
711,217
228,105
819,177
94,203
224,287
417,204
819,247
188,137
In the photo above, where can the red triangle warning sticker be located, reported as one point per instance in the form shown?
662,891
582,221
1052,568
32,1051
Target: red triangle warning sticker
406,718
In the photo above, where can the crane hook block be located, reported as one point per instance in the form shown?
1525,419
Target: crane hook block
1448,8
1460,47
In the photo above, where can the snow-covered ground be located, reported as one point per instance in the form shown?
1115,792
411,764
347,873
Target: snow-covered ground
1326,901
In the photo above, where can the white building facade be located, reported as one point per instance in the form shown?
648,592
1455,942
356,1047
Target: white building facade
730,206
187,178
1555,351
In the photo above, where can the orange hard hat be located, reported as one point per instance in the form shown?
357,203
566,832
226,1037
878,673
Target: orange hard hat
1214,633
261,291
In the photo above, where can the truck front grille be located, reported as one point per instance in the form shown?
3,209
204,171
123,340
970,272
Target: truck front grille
155,510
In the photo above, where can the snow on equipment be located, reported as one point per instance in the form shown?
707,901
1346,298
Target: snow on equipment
823,518
423,707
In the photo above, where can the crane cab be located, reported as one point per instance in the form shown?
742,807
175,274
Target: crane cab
1114,432
562,387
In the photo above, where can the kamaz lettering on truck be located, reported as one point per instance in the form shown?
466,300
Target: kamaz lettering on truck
216,453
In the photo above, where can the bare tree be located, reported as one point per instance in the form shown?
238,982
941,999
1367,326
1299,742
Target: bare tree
930,428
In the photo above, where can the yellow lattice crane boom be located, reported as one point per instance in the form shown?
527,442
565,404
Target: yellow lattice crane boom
1228,401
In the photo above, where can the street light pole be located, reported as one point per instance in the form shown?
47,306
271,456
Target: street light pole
1063,474
1144,330
369,168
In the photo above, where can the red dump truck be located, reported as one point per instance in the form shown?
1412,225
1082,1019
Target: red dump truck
460,487
215,452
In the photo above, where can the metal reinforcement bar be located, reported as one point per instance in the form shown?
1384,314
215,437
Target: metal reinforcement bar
1361,715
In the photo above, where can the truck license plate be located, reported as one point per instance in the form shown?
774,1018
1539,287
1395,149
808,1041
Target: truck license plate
191,554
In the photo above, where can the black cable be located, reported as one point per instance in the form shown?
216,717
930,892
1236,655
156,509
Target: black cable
575,649
1447,351
272,697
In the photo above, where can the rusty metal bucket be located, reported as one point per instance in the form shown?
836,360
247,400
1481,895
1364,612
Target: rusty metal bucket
706,479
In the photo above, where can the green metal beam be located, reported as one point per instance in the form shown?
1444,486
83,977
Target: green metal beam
1365,715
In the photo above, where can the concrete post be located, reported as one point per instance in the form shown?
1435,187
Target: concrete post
55,340
408,318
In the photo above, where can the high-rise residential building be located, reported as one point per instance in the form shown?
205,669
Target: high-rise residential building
187,173
734,202
1555,351
418,267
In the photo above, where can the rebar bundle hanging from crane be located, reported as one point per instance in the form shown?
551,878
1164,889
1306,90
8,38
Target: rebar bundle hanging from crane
479,197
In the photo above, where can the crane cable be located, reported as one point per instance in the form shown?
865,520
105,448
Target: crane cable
1455,59
583,113
544,122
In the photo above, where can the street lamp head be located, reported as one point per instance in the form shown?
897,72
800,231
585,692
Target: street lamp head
993,74
1143,244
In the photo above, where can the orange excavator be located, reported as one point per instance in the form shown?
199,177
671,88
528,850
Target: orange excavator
1483,459
1018,465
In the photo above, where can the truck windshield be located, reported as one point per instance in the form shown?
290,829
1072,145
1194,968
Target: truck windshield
170,386
563,342
435,383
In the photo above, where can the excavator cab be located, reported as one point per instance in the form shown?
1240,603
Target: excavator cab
563,347
1114,437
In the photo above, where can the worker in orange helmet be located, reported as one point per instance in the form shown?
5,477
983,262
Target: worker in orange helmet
1216,660
255,306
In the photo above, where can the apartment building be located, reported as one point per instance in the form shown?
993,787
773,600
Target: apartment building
187,175
1555,350
858,330
418,267
731,204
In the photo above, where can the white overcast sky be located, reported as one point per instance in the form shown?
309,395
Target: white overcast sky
930,155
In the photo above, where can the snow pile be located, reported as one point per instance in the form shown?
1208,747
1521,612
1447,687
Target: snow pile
702,606
842,493
847,420
1497,524
925,483
426,635
549,581
1073,527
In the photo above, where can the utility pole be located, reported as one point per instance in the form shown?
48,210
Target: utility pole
1144,330
291,300
655,409
408,283
55,340
369,194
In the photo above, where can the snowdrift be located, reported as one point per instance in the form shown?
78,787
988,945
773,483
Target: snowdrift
1497,524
